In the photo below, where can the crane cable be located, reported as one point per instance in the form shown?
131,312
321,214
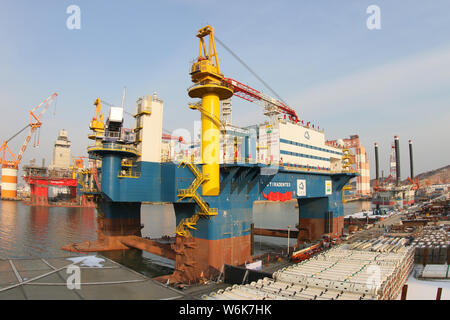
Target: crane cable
112,105
34,141
249,69
56,102
15,135
38,136
19,132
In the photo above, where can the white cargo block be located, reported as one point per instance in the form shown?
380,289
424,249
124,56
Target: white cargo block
115,114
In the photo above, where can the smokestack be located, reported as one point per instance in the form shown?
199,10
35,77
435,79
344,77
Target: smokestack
411,164
377,164
377,170
397,159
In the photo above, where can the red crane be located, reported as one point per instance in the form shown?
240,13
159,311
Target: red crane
35,123
248,93
10,167
166,136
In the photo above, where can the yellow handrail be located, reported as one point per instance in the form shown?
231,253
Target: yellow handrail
191,192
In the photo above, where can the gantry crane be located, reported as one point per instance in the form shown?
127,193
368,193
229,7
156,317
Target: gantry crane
10,167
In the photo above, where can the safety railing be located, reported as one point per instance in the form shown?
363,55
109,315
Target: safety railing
143,110
130,174
313,169
127,163
89,190
111,146
209,83
129,171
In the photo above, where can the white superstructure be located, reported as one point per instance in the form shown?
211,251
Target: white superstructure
148,128
61,152
305,146
278,143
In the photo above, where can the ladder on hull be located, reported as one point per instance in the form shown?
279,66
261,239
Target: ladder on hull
185,224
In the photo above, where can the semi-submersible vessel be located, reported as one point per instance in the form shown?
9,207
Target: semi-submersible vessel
212,182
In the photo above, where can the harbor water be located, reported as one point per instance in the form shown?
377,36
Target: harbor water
40,232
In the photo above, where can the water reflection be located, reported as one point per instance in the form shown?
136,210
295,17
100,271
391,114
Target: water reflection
356,206
281,215
276,215
158,220
33,232
8,223
140,261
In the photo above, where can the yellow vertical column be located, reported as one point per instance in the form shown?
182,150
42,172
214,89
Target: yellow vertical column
211,144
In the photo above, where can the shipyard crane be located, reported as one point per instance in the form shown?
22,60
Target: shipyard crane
271,105
97,126
97,123
166,136
34,124
211,87
207,69
10,167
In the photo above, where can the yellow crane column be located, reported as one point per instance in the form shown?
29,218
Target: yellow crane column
211,145
208,86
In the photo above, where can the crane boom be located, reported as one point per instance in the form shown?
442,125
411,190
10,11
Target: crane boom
248,93
34,124
46,104
10,167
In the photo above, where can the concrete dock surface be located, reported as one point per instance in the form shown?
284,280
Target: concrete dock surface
47,279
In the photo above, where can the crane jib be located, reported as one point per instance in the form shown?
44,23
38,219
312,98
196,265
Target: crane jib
33,126
248,93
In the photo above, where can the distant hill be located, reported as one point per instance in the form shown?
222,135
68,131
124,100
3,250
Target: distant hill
437,176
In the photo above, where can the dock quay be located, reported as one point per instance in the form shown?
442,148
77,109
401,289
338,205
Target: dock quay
100,279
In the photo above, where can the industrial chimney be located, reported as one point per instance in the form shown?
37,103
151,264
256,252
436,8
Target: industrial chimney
377,171
411,164
397,160
377,164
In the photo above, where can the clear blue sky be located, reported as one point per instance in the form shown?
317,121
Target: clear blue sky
318,55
